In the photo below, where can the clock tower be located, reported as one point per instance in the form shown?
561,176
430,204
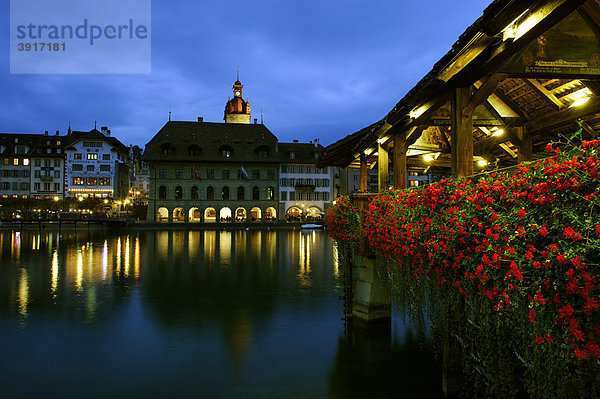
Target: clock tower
237,110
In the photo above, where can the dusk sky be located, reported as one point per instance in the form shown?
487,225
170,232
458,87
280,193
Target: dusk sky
318,69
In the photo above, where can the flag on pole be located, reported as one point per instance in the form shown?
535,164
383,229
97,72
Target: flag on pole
197,174
244,174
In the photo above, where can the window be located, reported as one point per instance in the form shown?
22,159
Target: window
225,193
194,192
194,150
78,181
56,186
210,174
38,162
46,186
309,182
308,169
325,196
162,173
179,174
270,193
90,168
77,156
16,162
24,186
318,182
292,169
263,154
57,174
6,173
104,168
300,169
104,181
106,157
309,196
162,192
91,181
5,161
92,156
292,155
271,174
300,197
36,186
240,193
255,174
92,144
47,162
284,195
15,173
25,173
316,155
6,186
255,193
283,182
325,182
57,163
26,162
355,178
226,153
292,196
77,167
210,193
225,174
291,182
283,168
178,192
317,196
300,182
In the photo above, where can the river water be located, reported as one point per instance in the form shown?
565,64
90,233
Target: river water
206,314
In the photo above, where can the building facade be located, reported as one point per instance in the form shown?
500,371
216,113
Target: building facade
306,190
96,165
15,167
48,168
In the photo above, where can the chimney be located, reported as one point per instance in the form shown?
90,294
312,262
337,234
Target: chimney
57,132
255,121
108,132
46,133
295,141
316,142
200,119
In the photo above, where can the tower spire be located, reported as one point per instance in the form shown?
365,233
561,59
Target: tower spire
237,73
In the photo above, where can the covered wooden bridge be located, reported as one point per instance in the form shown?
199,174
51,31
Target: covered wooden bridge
522,75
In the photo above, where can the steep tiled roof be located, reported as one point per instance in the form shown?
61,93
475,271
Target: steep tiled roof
204,141
94,134
303,152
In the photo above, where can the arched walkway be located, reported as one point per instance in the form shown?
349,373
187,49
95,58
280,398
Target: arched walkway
178,215
294,213
194,215
314,213
162,215
270,213
240,214
255,214
210,215
225,215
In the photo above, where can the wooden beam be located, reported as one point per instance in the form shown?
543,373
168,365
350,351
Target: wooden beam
445,138
504,146
587,128
462,134
383,177
364,172
525,153
512,105
563,116
419,161
481,95
399,159
414,134
544,93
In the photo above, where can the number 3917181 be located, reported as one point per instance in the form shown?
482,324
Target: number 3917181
41,46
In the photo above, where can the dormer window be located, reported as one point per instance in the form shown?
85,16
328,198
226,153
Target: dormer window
316,155
226,151
194,150
167,149
262,151
292,154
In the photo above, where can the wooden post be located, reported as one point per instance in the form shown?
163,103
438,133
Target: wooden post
462,134
363,173
399,160
526,147
383,160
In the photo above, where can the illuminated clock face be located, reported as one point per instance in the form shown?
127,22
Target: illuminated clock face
237,93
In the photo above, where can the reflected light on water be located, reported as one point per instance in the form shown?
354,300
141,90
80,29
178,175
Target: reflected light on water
54,286
23,297
225,248
15,245
104,260
304,258
210,241
336,260
136,258
119,255
126,266
79,274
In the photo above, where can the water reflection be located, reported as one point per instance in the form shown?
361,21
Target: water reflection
234,312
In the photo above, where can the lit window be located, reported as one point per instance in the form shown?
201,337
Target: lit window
26,162
16,162
92,156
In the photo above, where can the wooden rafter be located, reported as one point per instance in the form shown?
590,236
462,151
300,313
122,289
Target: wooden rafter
544,93
564,116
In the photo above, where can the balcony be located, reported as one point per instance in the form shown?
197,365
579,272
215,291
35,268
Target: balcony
46,177
305,187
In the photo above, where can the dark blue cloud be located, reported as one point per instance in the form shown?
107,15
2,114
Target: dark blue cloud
317,68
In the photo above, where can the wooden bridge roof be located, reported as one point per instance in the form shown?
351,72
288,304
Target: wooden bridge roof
528,64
